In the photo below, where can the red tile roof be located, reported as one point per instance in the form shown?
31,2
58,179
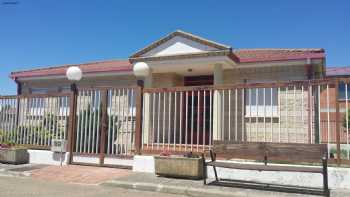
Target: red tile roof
262,55
92,67
338,71
241,55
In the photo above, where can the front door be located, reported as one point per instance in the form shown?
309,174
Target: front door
197,110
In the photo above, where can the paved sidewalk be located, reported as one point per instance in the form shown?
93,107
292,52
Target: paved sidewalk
150,182
78,174
65,174
28,187
18,170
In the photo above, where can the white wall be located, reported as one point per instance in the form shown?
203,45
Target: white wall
47,157
339,178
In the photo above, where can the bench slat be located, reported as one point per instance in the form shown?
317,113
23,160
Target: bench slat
265,168
293,152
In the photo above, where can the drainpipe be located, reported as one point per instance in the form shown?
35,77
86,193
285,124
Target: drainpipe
19,92
19,86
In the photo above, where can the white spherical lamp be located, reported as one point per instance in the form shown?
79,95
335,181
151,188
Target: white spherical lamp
74,73
141,69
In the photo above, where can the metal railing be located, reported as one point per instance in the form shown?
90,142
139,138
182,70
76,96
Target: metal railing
34,120
183,119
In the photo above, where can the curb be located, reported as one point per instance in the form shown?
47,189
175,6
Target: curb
180,190
206,191
7,173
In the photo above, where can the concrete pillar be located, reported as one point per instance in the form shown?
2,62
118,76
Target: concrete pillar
148,83
217,105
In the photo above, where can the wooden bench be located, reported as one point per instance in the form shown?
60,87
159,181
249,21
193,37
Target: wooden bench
269,152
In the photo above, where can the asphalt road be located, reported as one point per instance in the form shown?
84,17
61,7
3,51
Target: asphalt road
28,187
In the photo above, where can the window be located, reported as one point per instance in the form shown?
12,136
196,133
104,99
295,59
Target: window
261,102
38,90
64,89
342,92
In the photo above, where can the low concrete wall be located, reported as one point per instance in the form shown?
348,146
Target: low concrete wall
47,157
339,178
143,164
51,158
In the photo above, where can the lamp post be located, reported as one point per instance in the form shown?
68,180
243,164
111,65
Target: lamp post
142,71
74,74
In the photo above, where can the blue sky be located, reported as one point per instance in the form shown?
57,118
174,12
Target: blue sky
36,33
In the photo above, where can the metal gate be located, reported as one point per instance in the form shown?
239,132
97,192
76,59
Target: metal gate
105,125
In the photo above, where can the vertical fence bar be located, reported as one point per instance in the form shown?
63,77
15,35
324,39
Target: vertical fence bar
128,118
236,114
10,118
169,120
109,108
91,110
320,137
287,119
120,122
158,120
347,119
122,132
192,121
163,128
264,119
302,110
229,114
98,126
77,132
337,122
95,125
257,113
181,110
222,108
114,112
1,119
175,119
138,128
87,109
153,119
243,115
250,115
210,118
36,119
186,119
204,118
198,125
312,115
328,115
133,118
272,110
57,130
279,114
294,114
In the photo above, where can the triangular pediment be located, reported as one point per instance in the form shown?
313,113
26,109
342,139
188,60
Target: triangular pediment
178,43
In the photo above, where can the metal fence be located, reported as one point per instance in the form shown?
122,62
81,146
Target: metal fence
189,118
119,106
119,121
34,120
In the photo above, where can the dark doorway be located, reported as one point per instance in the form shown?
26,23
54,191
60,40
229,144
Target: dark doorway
198,110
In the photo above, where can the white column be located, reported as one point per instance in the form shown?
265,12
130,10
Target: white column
218,80
148,81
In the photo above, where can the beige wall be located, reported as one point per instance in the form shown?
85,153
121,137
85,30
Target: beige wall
287,124
54,85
